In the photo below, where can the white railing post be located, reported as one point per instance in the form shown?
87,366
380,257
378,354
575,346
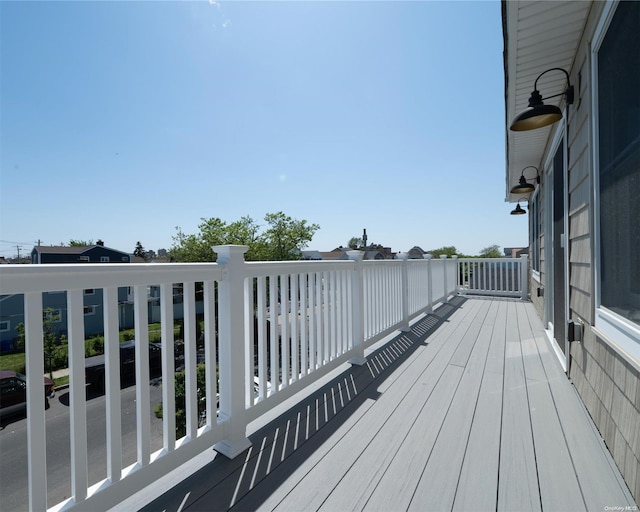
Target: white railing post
404,325
428,257
232,350
524,276
357,308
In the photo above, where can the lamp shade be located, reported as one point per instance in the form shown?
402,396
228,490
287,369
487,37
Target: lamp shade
523,187
536,117
518,210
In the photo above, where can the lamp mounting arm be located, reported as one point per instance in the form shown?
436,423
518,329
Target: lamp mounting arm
537,176
568,93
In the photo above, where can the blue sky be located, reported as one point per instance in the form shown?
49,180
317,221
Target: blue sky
122,120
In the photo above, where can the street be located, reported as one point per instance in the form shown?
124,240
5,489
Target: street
13,446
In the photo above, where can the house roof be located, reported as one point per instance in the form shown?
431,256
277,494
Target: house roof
79,249
537,36
53,249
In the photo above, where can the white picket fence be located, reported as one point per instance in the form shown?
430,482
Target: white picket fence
270,328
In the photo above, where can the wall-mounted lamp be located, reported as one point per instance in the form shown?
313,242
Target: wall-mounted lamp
523,187
537,113
518,210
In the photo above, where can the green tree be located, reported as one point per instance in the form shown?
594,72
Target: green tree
181,412
449,251
49,318
283,238
493,251
20,339
80,243
355,243
139,251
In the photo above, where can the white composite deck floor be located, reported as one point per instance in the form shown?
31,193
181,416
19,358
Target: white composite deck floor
468,411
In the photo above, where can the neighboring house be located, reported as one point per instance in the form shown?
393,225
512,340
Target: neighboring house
311,255
584,220
55,303
83,254
416,253
336,254
515,252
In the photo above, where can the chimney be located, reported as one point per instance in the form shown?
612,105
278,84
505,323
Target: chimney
100,243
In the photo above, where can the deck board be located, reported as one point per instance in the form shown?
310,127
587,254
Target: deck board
518,478
478,479
469,411
438,483
559,486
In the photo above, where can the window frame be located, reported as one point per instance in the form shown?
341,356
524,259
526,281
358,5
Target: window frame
616,329
536,232
7,323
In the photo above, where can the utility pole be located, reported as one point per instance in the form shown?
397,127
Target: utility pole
18,247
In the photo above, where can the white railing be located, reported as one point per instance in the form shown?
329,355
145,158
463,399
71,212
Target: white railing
494,276
270,329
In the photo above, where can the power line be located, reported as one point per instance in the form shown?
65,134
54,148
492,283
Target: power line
13,242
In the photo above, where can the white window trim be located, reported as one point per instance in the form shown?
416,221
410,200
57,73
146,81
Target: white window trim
90,291
104,259
91,310
7,323
619,331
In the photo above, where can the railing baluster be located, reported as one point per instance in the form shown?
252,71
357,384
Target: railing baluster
262,339
284,321
77,402
143,408
112,384
210,351
36,433
293,318
273,329
168,367
304,344
250,287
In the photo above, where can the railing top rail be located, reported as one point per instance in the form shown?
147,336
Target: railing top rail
72,276
263,268
506,258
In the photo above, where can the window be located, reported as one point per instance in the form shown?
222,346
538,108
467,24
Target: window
534,215
5,326
618,176
89,291
125,258
89,310
52,315
83,258
104,259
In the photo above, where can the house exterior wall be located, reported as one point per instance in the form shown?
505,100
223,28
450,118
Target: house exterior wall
93,254
605,376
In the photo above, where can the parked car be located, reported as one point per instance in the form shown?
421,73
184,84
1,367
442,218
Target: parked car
94,366
13,391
